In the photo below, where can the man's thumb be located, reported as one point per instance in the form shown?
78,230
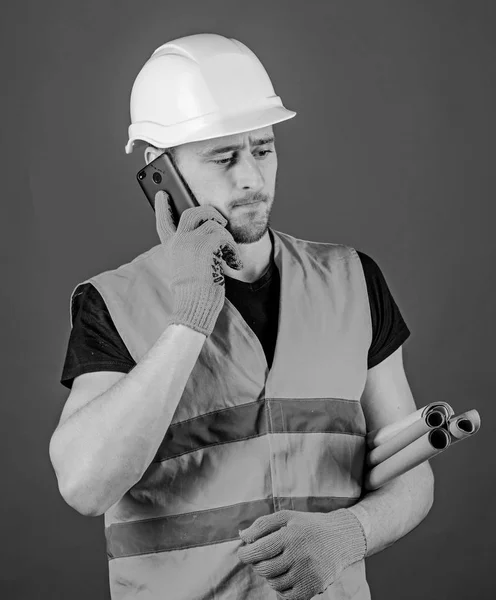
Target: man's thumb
164,216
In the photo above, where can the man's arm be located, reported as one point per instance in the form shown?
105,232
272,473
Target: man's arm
389,513
106,438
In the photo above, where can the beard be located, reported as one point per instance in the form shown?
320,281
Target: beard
248,224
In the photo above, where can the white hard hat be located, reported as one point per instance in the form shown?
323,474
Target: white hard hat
200,87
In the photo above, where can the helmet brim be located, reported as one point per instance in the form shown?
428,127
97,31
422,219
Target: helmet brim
205,128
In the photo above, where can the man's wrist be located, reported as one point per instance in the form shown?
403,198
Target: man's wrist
347,539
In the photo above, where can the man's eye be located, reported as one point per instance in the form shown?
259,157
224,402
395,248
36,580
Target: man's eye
230,160
223,161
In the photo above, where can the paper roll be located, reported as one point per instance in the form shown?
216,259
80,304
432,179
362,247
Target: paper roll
464,425
424,448
381,435
432,419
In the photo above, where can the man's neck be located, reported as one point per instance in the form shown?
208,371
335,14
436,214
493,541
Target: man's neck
256,258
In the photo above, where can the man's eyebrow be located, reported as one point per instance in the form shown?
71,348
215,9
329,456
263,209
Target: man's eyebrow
233,147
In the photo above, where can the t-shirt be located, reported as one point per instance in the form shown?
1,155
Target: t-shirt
95,344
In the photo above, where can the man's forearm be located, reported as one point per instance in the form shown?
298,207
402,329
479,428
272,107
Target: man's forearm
392,511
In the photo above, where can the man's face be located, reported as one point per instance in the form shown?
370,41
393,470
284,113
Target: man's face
229,171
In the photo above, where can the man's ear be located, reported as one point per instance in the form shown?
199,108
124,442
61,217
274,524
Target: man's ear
151,153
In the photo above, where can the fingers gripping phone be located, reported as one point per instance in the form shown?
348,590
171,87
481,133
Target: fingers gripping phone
162,174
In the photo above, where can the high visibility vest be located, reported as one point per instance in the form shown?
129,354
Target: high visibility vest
246,440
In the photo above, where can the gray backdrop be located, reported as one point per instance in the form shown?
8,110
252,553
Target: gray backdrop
391,152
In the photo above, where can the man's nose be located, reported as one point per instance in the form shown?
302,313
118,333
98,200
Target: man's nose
247,174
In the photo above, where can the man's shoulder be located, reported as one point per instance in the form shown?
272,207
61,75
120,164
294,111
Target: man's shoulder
122,277
332,249
130,269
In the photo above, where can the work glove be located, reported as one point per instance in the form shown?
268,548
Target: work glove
195,251
301,554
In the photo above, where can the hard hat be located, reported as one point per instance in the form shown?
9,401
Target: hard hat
200,87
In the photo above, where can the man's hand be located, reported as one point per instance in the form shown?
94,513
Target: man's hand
301,554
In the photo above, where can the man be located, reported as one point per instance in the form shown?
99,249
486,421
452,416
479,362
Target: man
223,382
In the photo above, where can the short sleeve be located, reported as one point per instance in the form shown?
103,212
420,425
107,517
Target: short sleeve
94,342
389,330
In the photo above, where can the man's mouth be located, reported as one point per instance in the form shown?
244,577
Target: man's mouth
247,202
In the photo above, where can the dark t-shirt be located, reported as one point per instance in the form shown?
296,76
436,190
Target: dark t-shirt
95,344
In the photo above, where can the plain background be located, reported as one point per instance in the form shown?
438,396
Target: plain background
392,152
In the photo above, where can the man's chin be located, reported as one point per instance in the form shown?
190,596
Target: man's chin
249,234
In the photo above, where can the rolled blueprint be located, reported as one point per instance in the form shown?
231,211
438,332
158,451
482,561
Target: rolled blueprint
429,445
381,435
406,436
464,425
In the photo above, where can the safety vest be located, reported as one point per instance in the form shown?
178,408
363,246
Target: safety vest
246,440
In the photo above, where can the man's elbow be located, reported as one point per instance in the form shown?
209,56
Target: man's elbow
80,502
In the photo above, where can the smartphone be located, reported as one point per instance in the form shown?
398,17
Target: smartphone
162,174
